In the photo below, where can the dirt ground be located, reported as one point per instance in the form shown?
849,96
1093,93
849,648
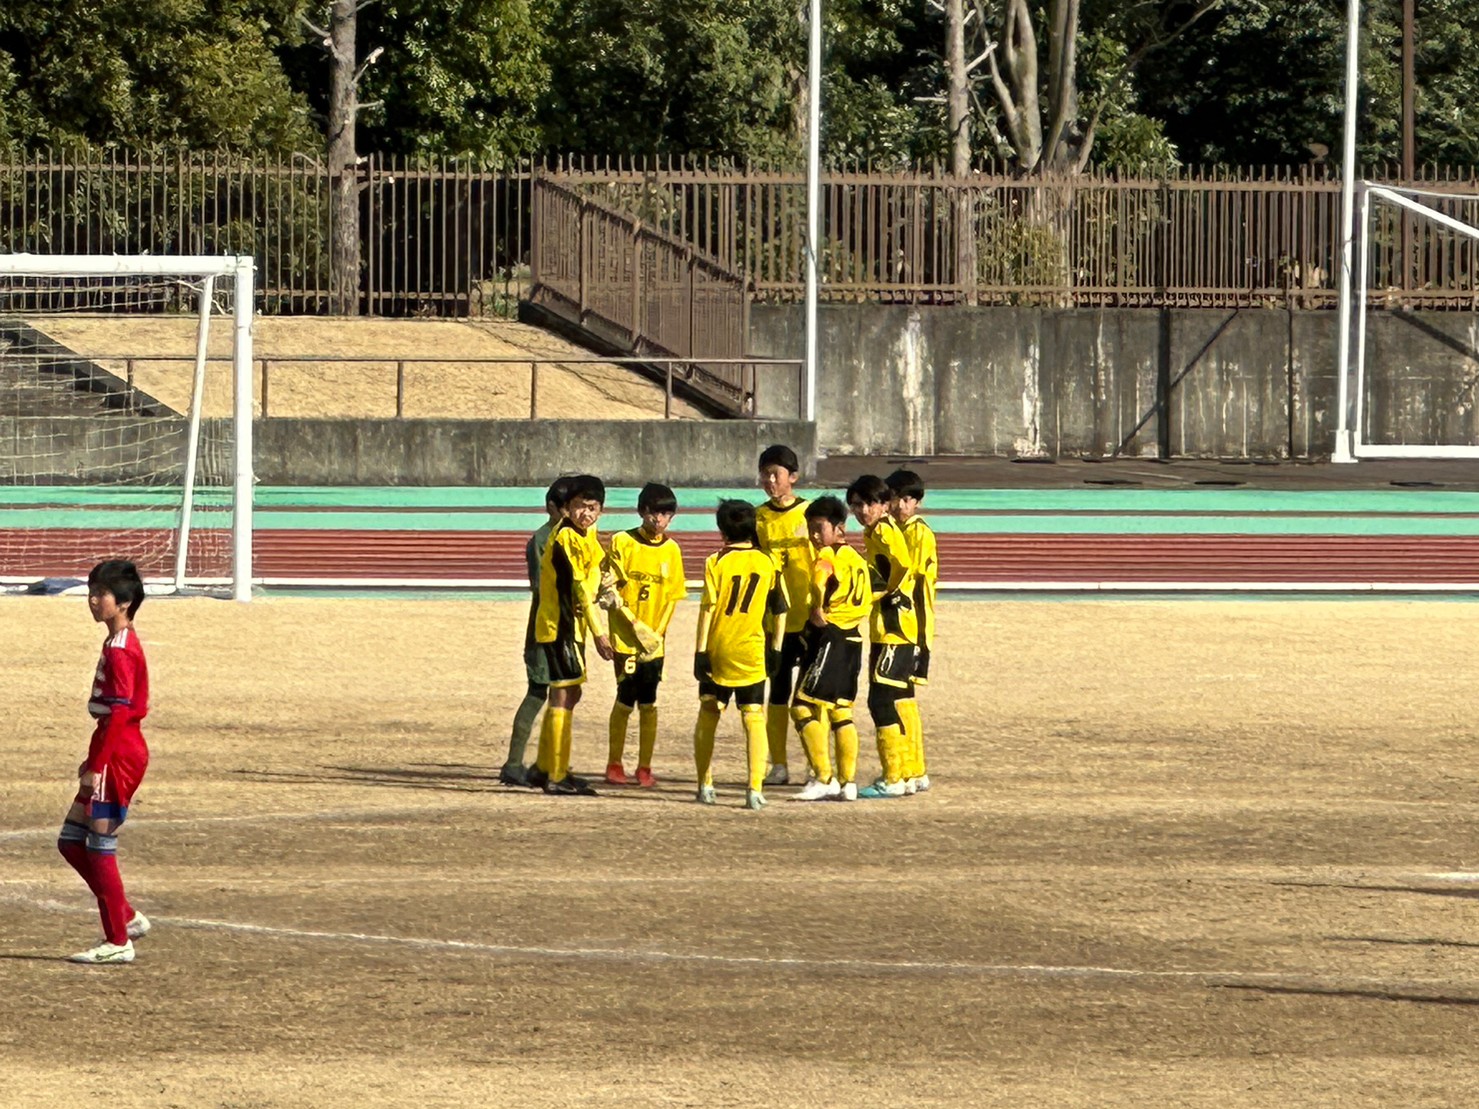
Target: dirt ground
444,389
1190,853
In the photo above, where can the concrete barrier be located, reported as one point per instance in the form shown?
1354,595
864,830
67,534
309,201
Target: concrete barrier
1188,383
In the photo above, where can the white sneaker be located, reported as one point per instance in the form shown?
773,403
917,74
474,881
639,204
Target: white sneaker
139,926
911,786
105,953
922,783
849,792
706,795
820,791
754,800
778,775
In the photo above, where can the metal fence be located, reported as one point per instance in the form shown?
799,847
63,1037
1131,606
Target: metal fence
437,237
444,237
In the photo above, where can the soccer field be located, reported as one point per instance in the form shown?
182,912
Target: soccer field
1190,853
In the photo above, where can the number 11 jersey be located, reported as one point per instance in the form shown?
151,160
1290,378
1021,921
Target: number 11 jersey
741,586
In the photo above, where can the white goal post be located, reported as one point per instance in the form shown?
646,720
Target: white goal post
1425,219
200,273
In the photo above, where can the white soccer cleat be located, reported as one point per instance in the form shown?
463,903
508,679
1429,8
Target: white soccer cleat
706,795
922,783
911,786
849,792
817,790
754,800
139,926
778,775
104,954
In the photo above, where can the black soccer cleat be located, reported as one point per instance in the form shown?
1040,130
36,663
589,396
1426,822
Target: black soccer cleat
536,778
570,786
516,776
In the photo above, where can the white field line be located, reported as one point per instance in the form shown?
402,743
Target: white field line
1209,978
246,818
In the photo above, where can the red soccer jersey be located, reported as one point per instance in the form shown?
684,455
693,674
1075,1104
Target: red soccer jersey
120,696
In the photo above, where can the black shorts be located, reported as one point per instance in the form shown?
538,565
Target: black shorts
922,666
743,694
891,664
565,661
793,652
636,682
829,672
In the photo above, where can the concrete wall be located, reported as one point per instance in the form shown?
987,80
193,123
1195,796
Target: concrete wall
1249,383
401,452
519,452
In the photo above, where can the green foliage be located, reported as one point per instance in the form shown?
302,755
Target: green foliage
456,76
146,72
1262,81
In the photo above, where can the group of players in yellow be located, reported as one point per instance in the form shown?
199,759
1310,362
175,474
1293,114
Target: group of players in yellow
779,632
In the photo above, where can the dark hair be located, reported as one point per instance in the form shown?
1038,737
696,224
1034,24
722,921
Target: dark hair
558,493
906,483
656,498
870,489
736,522
827,508
779,455
119,577
584,487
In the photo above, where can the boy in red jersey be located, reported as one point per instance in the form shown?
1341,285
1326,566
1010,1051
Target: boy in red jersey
116,760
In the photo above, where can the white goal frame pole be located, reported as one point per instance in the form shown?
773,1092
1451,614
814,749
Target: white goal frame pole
244,481
1343,435
813,203
192,444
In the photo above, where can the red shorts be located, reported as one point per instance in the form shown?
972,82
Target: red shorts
118,780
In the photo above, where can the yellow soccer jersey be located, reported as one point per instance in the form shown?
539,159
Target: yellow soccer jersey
893,571
652,582
782,532
920,538
569,578
845,596
741,588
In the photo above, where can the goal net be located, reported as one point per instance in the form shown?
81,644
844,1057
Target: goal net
1415,373
125,419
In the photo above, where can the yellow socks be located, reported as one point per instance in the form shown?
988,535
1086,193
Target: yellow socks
913,737
548,731
617,730
811,722
703,740
846,734
777,731
646,735
757,743
891,752
560,770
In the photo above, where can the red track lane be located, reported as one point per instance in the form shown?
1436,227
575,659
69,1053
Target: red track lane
450,555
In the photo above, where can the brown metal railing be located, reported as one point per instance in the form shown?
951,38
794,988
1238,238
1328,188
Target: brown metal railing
639,289
442,236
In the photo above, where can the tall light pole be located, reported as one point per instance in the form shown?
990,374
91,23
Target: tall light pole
1344,443
813,206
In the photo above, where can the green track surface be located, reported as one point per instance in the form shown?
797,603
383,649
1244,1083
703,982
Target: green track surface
956,511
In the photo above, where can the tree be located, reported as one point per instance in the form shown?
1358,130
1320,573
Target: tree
1220,106
457,77
1040,109
198,73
